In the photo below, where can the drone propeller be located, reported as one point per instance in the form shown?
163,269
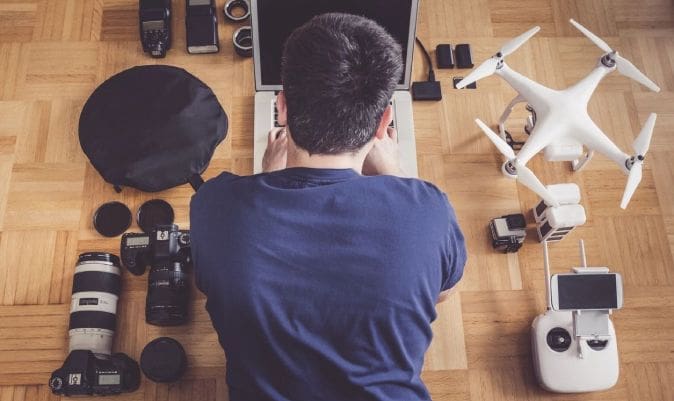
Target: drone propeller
640,146
502,145
594,38
524,174
625,67
489,66
515,43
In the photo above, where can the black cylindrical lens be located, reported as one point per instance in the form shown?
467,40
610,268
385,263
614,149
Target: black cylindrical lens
167,295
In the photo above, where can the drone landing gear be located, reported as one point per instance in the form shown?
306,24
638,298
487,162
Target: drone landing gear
528,128
579,163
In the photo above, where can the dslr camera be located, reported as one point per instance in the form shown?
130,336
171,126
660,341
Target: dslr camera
155,26
167,251
91,368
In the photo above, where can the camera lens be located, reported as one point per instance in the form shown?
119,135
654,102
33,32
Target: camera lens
153,213
93,308
167,295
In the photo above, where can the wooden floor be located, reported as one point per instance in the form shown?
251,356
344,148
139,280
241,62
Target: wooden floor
53,53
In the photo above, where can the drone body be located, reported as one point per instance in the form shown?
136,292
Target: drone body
561,117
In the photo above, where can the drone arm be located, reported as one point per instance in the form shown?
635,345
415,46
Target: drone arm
584,89
534,93
594,138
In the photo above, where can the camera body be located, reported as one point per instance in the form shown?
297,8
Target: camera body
91,367
166,243
155,26
83,373
167,251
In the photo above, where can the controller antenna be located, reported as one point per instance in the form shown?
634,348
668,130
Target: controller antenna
583,259
546,265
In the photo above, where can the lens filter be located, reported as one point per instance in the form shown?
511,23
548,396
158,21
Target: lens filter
163,360
112,219
153,213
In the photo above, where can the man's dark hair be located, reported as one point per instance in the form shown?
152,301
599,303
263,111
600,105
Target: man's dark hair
339,72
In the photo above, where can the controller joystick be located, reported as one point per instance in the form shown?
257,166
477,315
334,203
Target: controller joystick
559,339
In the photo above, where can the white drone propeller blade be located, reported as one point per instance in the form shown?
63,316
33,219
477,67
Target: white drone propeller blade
502,145
594,38
515,43
628,69
633,181
487,68
529,179
643,141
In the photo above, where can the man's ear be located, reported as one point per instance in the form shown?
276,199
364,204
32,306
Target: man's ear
282,108
386,118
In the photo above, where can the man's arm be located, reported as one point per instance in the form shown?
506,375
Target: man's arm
455,255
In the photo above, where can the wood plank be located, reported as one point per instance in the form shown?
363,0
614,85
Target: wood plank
53,53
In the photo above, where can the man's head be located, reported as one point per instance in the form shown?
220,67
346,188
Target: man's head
339,73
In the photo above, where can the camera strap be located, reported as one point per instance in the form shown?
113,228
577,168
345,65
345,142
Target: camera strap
196,181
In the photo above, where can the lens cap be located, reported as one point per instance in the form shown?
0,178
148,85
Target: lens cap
112,219
153,213
163,360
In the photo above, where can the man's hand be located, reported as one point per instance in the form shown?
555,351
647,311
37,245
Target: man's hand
276,155
383,157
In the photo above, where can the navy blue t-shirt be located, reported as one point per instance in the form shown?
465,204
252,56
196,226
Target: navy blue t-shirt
322,283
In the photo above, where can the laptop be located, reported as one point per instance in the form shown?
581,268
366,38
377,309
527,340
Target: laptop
272,22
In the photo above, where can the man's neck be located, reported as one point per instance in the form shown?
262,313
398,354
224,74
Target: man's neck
301,158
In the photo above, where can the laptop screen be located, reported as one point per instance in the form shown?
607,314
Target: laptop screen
276,19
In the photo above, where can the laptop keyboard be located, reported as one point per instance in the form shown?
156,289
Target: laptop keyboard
275,117
276,123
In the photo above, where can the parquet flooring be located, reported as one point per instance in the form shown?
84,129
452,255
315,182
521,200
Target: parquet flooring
53,53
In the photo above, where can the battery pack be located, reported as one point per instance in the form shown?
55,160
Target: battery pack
443,55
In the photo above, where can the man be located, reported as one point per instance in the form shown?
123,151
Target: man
322,282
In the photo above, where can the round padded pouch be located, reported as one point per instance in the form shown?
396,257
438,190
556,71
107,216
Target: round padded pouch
152,128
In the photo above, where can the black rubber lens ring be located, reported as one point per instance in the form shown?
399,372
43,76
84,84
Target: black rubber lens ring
103,257
97,281
93,319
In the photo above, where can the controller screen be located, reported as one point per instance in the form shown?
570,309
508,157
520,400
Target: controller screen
587,291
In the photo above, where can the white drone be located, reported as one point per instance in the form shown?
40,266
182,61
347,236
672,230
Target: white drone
559,121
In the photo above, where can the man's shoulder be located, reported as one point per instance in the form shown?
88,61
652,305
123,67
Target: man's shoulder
415,186
413,195
215,188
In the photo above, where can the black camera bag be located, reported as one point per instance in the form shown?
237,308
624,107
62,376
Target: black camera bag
152,128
